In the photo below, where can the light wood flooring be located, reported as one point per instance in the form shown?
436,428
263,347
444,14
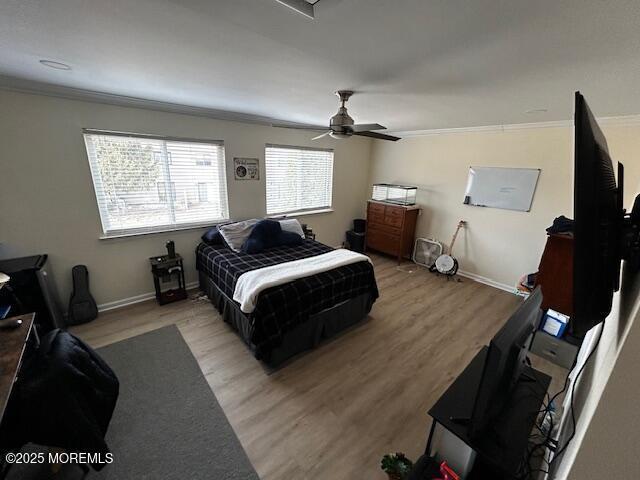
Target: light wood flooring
333,413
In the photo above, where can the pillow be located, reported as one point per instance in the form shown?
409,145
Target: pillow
235,234
212,236
269,234
292,225
289,239
264,235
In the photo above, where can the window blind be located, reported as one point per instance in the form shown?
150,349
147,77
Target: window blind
145,183
298,179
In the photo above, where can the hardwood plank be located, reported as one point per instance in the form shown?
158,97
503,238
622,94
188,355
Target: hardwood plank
333,412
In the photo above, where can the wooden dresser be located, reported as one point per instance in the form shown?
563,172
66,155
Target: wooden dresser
555,274
391,228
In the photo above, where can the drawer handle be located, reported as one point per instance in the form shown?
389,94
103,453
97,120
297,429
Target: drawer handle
551,352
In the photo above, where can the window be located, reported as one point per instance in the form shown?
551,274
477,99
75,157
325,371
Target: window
204,160
298,179
203,192
164,194
145,183
158,157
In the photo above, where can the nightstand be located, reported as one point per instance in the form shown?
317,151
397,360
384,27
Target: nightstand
308,233
164,270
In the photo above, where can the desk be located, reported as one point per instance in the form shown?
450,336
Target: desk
12,347
502,449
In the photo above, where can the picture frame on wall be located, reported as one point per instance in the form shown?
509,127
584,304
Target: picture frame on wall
246,168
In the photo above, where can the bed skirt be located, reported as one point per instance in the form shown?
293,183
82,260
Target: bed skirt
308,335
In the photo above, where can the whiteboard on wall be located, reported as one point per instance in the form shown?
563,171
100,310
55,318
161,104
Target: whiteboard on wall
498,187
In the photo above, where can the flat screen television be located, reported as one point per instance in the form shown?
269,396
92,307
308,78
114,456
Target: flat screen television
503,365
598,215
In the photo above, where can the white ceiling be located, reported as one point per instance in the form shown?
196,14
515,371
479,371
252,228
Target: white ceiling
416,64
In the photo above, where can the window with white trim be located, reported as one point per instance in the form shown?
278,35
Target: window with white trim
298,179
145,183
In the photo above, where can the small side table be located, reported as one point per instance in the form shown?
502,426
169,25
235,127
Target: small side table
165,269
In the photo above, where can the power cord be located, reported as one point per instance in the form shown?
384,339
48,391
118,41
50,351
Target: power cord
573,388
548,441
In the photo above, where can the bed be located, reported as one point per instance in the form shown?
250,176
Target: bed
292,317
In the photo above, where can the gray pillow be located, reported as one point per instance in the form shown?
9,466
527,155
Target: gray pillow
234,234
292,225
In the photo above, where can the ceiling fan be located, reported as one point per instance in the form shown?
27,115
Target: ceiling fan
342,125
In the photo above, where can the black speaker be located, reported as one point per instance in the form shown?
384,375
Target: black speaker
359,225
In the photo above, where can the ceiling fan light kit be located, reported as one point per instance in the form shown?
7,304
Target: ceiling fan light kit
338,136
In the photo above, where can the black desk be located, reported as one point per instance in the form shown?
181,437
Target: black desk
503,447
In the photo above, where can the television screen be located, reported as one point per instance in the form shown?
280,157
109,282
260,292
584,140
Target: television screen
598,218
504,362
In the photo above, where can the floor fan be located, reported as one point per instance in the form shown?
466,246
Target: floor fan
426,252
447,264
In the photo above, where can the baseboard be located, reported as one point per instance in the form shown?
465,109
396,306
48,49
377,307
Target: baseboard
143,297
487,281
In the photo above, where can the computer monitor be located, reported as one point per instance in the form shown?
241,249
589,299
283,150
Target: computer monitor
505,362
599,216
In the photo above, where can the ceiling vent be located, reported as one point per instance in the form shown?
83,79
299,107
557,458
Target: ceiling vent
303,7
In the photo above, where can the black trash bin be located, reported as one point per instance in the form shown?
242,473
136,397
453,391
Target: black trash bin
355,241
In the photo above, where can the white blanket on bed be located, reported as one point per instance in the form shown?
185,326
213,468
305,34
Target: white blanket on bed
250,284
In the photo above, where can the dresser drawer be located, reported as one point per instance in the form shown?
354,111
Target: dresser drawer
376,208
554,349
375,218
386,228
383,241
394,216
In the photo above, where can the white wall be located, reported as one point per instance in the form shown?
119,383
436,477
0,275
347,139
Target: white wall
48,203
605,402
499,245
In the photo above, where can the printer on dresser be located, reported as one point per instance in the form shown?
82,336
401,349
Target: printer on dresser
391,228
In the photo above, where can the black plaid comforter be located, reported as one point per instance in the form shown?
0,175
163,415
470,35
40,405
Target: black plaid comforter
282,307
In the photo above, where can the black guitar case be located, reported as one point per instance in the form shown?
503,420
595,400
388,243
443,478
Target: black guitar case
82,306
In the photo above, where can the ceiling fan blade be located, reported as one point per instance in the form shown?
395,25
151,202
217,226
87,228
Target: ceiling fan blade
320,136
379,136
298,126
365,127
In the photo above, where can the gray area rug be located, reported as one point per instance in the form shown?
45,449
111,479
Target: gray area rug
167,423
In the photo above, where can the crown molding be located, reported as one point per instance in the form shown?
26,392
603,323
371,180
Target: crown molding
482,128
14,84
618,121
18,85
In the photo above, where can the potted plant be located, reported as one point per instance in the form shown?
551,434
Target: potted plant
396,465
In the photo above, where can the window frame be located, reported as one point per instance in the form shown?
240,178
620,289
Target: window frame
129,232
306,210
